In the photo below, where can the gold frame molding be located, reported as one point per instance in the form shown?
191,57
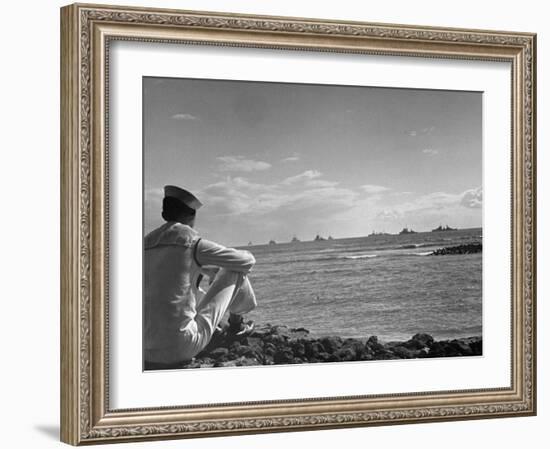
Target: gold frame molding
86,31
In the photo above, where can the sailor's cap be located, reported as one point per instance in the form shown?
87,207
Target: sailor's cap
182,195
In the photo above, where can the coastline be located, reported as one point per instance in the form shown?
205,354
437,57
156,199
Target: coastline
280,345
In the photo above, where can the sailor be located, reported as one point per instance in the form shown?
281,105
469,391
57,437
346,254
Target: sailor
180,317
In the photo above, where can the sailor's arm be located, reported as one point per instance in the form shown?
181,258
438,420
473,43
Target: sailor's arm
208,253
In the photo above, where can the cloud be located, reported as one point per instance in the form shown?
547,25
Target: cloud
440,205
401,193
431,201
430,151
321,183
181,116
238,196
291,159
240,163
472,198
323,202
305,176
373,189
228,197
388,215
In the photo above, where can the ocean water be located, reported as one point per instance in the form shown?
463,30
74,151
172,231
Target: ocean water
384,285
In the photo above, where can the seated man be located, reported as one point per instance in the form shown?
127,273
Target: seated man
180,317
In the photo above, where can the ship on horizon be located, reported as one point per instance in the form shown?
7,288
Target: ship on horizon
374,233
407,230
444,229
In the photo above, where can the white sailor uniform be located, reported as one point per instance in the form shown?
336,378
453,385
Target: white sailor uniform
180,317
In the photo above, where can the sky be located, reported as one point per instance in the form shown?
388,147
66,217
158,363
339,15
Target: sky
270,161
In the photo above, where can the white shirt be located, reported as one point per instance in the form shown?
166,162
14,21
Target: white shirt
176,259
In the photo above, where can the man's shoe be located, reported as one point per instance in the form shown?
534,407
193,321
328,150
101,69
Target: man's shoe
246,328
238,328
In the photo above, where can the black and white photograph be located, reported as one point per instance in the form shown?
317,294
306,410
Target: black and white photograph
293,223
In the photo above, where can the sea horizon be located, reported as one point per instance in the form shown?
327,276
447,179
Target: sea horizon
328,237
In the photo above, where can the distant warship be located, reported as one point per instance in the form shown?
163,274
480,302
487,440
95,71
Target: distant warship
444,228
374,233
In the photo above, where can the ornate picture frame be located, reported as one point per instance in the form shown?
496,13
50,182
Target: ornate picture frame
87,31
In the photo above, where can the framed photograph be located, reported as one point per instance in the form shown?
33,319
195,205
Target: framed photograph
280,224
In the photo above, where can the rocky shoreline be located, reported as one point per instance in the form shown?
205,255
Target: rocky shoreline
281,345
467,248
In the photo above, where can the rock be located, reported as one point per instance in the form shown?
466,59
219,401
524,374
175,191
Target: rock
247,351
276,339
438,349
385,354
424,352
403,353
298,334
373,340
247,361
255,341
476,345
192,364
460,347
270,349
234,347
366,356
225,364
299,349
373,346
467,248
284,356
271,345
283,331
419,341
355,345
323,356
206,365
331,344
313,349
261,332
345,354
456,348
218,353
